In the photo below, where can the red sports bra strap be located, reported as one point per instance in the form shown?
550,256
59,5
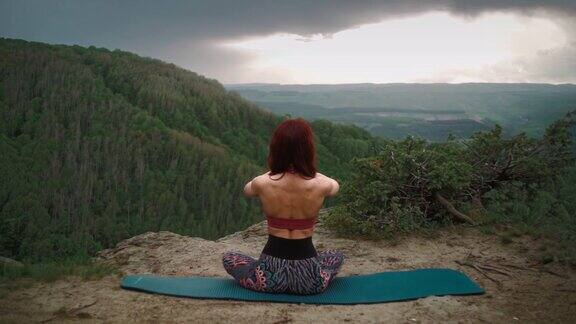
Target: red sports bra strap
291,224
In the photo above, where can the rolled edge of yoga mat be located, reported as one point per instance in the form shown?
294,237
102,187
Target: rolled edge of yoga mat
361,289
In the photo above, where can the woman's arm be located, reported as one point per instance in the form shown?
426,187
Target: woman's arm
331,186
252,188
334,187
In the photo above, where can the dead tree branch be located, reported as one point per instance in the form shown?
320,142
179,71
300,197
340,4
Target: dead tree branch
453,211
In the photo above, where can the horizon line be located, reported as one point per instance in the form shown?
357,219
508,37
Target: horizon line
394,83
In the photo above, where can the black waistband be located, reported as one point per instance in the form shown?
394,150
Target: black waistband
289,249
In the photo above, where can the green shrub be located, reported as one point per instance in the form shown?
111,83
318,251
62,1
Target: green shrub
414,184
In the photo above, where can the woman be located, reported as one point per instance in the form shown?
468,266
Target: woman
292,193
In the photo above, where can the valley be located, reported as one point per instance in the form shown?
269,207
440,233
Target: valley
430,111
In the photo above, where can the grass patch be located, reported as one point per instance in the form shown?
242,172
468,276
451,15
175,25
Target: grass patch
54,270
547,213
487,230
506,239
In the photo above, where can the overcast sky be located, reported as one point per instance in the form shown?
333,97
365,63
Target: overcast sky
320,41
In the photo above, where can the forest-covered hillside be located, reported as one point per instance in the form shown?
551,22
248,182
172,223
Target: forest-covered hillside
97,146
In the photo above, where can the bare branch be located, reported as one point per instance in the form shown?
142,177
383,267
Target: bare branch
453,211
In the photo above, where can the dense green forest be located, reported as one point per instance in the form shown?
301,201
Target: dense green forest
97,146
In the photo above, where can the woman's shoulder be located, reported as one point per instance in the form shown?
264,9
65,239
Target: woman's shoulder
288,179
319,177
262,179
320,183
323,178
328,184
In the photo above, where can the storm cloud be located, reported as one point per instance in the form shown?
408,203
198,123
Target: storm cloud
187,32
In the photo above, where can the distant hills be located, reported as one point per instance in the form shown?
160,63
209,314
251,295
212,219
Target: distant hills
97,146
432,111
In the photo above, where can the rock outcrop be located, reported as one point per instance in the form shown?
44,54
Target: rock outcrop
521,289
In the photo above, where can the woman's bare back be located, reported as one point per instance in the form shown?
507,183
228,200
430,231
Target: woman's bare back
291,197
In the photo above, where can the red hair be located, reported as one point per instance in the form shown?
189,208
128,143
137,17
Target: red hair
292,148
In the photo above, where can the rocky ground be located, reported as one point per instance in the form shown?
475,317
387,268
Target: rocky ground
518,288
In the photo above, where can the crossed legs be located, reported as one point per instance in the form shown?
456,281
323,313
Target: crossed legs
271,274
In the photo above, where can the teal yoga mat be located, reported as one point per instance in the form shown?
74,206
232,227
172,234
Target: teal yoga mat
363,289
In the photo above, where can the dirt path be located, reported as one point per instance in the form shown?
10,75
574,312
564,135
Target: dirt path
518,290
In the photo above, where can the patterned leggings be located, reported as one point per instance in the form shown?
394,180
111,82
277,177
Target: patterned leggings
276,275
